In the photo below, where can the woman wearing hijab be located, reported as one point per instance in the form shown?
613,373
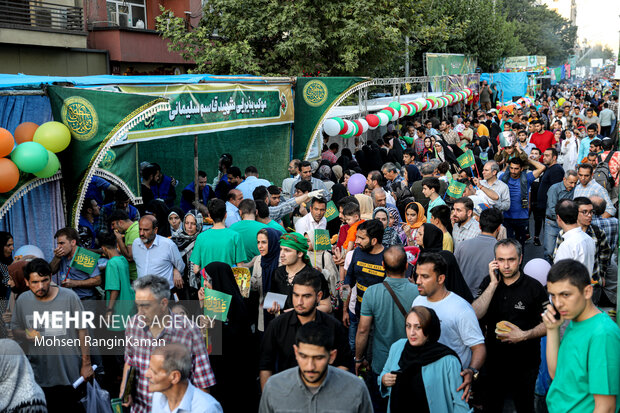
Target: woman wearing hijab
175,220
366,206
6,258
412,174
415,216
390,236
430,239
421,374
428,151
445,154
268,261
192,227
160,210
19,392
338,171
235,368
396,223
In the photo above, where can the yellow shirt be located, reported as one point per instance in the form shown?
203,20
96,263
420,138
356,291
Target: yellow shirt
483,130
448,243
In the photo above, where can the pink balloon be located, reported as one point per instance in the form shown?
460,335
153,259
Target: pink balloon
356,184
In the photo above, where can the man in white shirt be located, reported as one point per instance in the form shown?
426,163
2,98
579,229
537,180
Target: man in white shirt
234,198
492,190
289,183
168,377
460,329
465,226
314,220
577,245
251,182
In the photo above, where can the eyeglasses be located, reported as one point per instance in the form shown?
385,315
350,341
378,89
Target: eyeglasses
586,213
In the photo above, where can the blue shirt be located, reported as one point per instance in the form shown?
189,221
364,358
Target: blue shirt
95,189
131,210
72,274
584,148
514,186
556,193
232,214
248,186
194,400
160,259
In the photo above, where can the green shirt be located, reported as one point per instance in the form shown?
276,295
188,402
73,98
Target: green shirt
273,224
431,205
132,233
223,245
248,230
588,364
387,318
117,279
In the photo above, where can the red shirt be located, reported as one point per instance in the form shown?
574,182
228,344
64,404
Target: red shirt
543,141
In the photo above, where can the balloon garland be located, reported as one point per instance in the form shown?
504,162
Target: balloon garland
392,112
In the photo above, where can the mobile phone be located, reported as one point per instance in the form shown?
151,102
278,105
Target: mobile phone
557,315
397,372
497,274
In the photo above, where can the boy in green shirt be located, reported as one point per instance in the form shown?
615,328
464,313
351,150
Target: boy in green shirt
585,366
430,189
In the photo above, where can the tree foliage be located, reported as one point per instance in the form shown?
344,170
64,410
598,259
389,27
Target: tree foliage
347,37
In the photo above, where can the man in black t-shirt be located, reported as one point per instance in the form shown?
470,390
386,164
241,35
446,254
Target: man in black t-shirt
509,309
276,353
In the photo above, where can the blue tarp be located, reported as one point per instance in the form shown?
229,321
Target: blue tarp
8,81
512,83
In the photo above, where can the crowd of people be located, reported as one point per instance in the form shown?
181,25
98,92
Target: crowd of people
425,301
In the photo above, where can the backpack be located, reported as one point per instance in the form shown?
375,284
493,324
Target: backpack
484,154
602,174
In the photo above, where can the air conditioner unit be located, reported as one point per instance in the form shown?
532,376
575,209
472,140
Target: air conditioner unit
123,19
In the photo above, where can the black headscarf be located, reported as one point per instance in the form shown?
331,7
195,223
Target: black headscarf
270,262
433,242
339,191
223,280
160,210
410,384
4,239
413,174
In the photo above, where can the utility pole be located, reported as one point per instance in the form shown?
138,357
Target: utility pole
406,56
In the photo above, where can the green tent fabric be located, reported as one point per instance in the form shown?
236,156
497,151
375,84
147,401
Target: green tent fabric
96,120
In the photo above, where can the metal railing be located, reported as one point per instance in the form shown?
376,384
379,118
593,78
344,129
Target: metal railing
38,15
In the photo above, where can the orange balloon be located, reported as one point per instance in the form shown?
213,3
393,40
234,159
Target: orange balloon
9,175
25,132
6,142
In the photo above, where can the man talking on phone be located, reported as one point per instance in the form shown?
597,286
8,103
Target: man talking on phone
509,308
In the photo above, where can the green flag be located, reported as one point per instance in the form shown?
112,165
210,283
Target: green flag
84,260
331,212
321,240
96,120
456,189
466,160
216,304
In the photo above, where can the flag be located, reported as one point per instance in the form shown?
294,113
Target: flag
331,211
321,240
466,160
243,276
456,189
216,304
84,260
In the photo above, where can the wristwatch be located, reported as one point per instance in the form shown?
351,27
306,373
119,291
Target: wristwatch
475,372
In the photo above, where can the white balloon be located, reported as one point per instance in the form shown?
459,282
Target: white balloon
350,126
422,103
395,116
383,119
365,125
331,127
402,112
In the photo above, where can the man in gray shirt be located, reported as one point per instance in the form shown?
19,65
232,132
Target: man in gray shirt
315,386
58,356
475,254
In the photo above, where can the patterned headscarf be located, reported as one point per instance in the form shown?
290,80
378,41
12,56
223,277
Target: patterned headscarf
297,242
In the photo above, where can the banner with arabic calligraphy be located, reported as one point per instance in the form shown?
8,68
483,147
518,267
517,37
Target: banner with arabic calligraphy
456,189
466,160
216,304
84,260
321,240
204,108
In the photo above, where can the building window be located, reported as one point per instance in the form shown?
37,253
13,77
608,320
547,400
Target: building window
127,13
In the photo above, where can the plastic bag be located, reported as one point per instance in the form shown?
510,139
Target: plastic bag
97,400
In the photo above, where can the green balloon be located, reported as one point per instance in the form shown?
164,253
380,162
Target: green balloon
53,164
340,122
30,157
395,106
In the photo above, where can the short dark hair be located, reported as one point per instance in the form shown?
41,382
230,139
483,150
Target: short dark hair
516,161
398,263
247,206
508,242
467,203
582,200
304,186
351,209
309,279
443,167
120,196
442,213
592,126
38,265
88,203
554,152
118,215
334,146
585,166
149,171
374,229
260,193
262,209
70,233
575,272
348,199
410,152
431,183
490,220
439,263
273,190
304,164
234,171
251,170
107,239
316,334
217,209
317,200
567,210
202,174
376,176
535,149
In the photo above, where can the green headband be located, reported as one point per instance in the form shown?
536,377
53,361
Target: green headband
297,242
